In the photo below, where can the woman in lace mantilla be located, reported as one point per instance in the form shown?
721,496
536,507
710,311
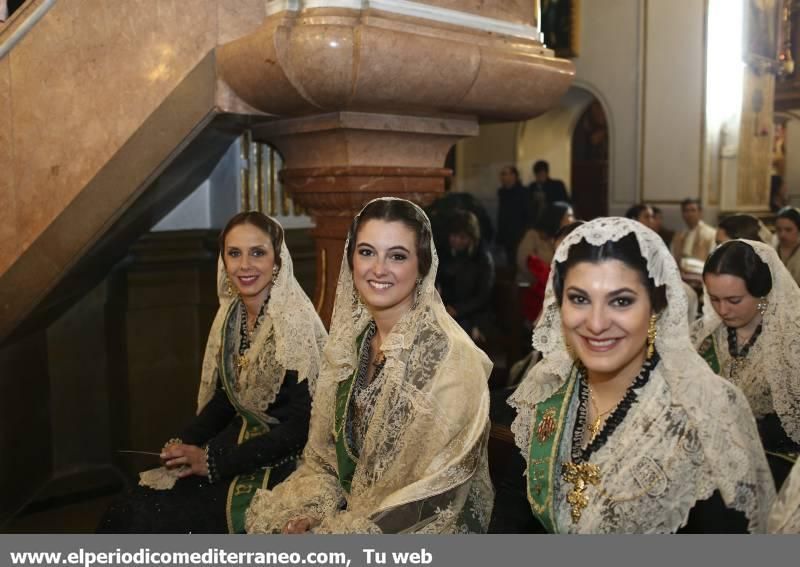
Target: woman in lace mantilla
623,428
400,424
261,362
750,335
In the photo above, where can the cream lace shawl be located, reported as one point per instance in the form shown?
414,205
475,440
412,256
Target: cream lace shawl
770,374
423,463
690,433
291,337
785,515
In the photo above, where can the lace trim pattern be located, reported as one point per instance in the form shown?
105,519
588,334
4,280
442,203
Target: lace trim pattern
770,374
784,518
291,337
427,436
716,410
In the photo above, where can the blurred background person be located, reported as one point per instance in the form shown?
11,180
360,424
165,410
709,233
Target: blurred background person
787,226
658,225
642,213
740,226
516,211
552,190
466,276
692,246
540,241
441,210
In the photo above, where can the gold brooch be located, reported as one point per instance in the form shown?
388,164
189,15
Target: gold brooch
547,426
580,475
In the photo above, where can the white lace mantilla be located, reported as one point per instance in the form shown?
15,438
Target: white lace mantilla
291,337
690,436
423,465
770,374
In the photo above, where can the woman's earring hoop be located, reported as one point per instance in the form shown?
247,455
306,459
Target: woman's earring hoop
652,333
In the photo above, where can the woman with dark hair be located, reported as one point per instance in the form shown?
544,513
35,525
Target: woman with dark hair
535,253
736,227
261,363
540,240
623,427
751,336
787,227
643,213
401,415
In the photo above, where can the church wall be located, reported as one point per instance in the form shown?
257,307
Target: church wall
649,78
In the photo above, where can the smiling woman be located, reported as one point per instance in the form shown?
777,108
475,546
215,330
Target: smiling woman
623,427
261,363
401,417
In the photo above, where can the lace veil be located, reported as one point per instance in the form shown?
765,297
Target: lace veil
291,337
770,374
423,465
732,457
785,515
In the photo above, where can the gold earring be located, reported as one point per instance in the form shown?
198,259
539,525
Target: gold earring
275,272
762,306
356,299
570,350
652,333
229,288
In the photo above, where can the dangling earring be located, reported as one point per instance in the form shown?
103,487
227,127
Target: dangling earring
275,272
762,306
570,350
229,291
356,299
652,333
417,293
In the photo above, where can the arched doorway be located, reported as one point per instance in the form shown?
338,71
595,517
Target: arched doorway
574,138
590,163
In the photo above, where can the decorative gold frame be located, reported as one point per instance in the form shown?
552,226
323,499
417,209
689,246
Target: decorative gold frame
573,32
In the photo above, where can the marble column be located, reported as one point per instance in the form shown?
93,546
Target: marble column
369,98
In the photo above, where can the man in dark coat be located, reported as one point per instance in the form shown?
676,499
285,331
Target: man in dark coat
552,190
517,211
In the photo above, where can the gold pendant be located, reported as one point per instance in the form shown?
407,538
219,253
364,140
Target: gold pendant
580,475
594,428
241,363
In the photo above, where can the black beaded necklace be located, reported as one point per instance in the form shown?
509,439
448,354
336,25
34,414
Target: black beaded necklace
361,383
733,347
245,337
738,356
581,454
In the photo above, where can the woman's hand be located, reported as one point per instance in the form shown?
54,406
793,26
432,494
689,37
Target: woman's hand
300,525
190,457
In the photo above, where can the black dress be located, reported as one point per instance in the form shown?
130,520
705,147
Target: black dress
194,505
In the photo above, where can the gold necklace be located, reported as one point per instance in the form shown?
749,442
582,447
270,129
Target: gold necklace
595,427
